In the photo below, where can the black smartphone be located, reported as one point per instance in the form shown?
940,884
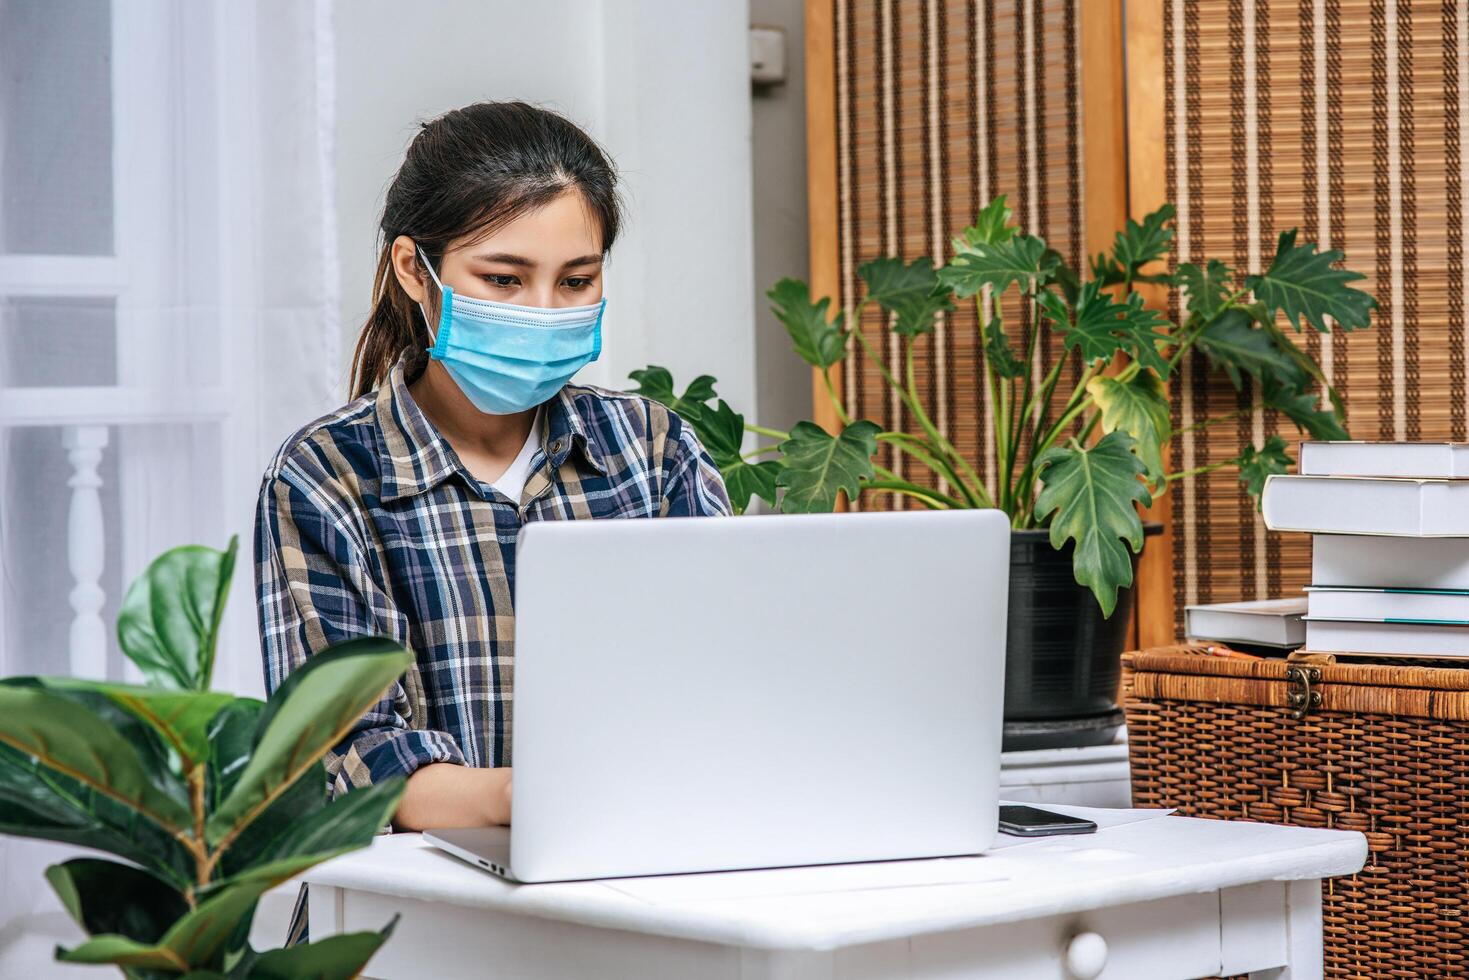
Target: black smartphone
1029,821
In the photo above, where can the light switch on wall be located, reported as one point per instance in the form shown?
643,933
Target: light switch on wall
767,55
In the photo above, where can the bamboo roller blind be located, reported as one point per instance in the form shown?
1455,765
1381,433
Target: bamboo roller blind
1341,117
940,106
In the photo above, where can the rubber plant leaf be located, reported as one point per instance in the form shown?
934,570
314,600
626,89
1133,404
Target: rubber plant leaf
350,820
1306,286
819,465
42,804
197,939
316,706
181,718
818,338
107,897
341,957
74,741
911,293
1091,496
1138,407
169,620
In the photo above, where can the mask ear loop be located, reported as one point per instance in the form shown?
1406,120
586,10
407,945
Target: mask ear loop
446,296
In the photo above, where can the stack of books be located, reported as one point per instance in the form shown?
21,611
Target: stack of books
1390,545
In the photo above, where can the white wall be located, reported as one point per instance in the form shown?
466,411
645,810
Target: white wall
781,219
662,84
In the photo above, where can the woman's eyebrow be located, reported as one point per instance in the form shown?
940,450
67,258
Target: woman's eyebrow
507,259
583,260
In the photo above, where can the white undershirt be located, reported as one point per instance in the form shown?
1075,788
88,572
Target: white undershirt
512,481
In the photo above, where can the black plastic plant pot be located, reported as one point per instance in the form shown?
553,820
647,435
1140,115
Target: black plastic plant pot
1063,659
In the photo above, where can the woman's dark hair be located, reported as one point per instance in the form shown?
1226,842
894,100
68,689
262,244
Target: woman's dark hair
466,172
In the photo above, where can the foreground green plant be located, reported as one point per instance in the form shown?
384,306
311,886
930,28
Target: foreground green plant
210,800
1051,470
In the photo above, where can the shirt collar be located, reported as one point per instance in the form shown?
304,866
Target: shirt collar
415,457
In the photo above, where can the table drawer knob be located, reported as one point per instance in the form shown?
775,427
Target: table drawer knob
1086,956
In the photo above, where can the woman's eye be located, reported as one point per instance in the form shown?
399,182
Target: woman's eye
503,281
578,282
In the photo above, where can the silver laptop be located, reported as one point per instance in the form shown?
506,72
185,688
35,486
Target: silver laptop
711,694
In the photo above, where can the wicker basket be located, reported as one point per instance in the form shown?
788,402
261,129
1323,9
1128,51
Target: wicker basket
1379,748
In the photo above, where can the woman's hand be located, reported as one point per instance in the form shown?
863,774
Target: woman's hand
442,794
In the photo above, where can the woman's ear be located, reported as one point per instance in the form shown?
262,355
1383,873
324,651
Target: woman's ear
408,270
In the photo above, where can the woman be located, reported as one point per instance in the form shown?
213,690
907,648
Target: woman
397,515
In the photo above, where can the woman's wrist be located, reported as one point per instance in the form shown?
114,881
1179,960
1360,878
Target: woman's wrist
497,797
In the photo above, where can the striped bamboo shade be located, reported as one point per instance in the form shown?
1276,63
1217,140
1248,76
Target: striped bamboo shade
940,106
1342,117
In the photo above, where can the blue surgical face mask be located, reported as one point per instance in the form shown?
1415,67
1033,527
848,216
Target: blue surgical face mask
508,358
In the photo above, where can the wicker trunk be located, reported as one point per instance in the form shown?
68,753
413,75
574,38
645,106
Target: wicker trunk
1378,748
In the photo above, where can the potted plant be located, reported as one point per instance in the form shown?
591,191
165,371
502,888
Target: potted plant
209,800
1074,460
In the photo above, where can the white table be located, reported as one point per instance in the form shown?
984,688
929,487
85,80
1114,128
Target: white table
1164,897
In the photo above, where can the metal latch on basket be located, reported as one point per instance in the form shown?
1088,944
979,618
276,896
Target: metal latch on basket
1300,697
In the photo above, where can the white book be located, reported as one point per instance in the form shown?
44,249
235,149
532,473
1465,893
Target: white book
1389,605
1275,622
1386,639
1431,460
1404,563
1366,505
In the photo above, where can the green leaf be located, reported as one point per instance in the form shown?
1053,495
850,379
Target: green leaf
1093,494
744,480
1302,284
819,342
818,465
1303,407
999,353
1140,408
198,938
310,713
340,957
1255,465
74,741
349,821
108,897
232,738
36,802
911,293
1138,244
181,718
296,807
169,621
657,383
1022,259
1233,342
1101,327
1206,288
722,431
990,227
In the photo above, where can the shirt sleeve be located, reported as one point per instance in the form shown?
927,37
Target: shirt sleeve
692,486
315,590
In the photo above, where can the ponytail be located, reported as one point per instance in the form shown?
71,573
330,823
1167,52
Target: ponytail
466,173
395,325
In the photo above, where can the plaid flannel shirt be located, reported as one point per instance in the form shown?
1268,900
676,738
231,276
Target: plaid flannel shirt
368,524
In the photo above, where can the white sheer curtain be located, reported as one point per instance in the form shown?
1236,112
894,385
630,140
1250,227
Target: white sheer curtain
168,314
